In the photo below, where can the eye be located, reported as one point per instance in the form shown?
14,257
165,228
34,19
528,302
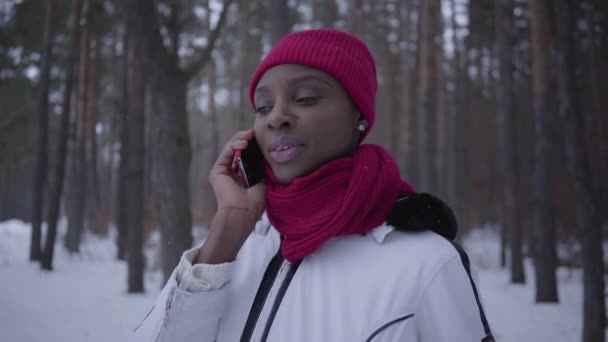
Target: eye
308,99
262,110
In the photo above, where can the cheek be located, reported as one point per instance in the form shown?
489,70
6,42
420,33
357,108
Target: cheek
336,135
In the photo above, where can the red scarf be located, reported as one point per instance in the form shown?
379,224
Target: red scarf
349,195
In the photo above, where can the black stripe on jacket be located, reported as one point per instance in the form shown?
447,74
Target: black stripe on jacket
424,211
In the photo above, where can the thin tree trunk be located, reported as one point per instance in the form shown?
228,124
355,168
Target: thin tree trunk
427,93
328,14
405,123
439,155
545,258
453,111
356,17
598,52
42,155
281,22
121,184
77,165
134,200
96,206
57,184
387,124
506,126
588,219
244,61
215,127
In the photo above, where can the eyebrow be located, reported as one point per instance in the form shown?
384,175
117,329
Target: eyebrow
299,79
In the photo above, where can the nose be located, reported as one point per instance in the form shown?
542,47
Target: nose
279,117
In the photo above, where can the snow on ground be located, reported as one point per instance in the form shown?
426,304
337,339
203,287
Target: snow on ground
85,299
511,311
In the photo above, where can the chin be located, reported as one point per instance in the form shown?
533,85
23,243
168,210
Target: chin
285,177
286,174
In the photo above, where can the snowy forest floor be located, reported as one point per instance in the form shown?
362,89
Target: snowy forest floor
85,299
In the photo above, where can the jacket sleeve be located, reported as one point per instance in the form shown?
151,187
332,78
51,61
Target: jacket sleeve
450,308
190,305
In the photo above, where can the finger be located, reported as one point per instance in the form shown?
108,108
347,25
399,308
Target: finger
238,141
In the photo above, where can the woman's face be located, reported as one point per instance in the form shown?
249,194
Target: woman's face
304,118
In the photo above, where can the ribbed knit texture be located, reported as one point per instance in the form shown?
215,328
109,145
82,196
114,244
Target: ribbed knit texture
348,195
337,53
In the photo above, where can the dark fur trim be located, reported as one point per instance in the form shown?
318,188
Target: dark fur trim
423,211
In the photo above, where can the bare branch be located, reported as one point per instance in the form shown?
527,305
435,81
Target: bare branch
205,56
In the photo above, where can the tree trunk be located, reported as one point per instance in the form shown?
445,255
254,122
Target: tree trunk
427,93
77,163
280,23
121,184
134,182
328,13
171,142
42,156
453,112
598,52
171,164
506,127
588,219
386,125
356,18
405,123
439,127
545,258
57,185
244,61
96,205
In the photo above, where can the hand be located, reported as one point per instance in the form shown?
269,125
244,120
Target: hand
239,208
230,194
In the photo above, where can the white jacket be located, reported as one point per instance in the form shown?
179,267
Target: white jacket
384,286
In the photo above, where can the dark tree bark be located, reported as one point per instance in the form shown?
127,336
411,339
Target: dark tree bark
76,192
96,206
327,13
244,61
455,122
597,55
439,120
356,18
42,155
134,182
405,123
506,126
215,127
57,184
171,141
280,23
387,124
545,254
588,219
121,184
427,93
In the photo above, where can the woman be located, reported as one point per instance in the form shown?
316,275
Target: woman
333,245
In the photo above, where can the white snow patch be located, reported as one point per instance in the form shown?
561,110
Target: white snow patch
85,299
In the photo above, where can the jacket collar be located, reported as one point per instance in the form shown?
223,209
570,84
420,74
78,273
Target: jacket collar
379,233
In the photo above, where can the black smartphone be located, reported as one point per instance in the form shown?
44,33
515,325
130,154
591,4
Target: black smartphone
251,164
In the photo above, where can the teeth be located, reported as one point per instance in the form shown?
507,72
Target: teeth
283,148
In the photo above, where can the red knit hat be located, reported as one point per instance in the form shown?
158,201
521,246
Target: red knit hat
340,54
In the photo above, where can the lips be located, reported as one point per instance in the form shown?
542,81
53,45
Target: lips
284,149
